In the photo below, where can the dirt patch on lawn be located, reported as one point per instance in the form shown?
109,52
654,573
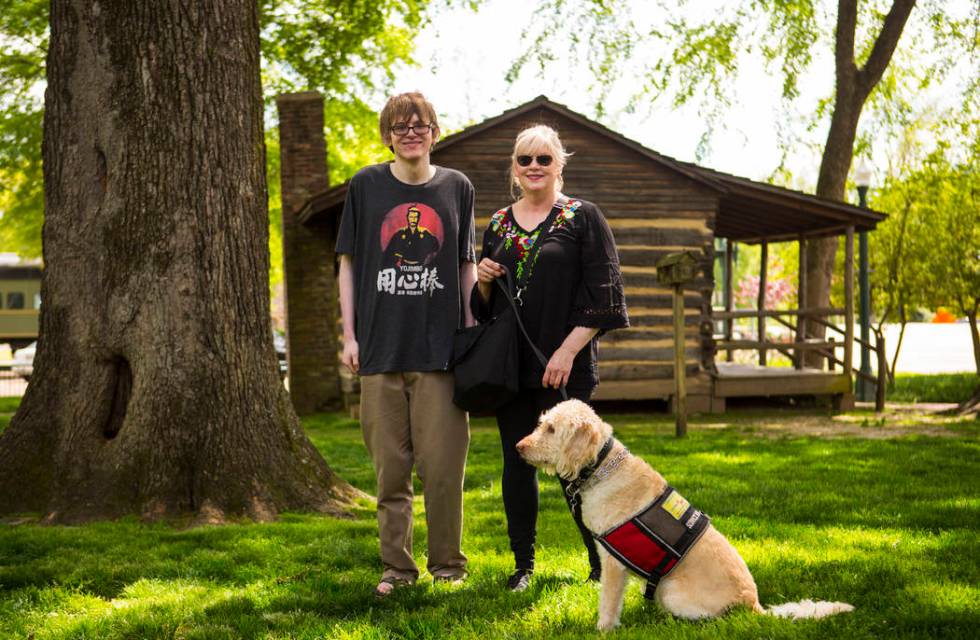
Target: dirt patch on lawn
895,422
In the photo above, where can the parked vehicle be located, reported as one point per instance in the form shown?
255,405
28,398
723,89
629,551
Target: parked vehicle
279,341
20,300
23,364
23,361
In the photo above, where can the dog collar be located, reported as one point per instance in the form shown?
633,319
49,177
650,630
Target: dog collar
576,485
612,463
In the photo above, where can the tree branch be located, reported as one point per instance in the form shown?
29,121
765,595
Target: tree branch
844,41
884,47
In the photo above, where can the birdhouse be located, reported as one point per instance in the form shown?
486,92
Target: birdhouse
677,268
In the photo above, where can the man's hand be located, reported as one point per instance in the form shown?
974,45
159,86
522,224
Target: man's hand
345,283
467,280
350,356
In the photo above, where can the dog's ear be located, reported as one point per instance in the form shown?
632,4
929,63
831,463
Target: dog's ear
579,448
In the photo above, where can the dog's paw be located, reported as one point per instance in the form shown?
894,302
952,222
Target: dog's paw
607,625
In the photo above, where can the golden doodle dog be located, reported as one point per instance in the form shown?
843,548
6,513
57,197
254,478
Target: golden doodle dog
706,582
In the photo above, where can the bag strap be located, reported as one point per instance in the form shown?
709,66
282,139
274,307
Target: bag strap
517,314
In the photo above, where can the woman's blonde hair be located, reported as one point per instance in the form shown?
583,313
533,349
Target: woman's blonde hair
531,140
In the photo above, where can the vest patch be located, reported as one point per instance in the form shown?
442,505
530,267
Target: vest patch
675,505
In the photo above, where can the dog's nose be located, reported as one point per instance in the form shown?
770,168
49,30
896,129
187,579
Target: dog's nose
521,446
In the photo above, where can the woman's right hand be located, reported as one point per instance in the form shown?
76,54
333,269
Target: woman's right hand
486,272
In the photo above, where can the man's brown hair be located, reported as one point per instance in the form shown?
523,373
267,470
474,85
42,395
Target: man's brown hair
400,109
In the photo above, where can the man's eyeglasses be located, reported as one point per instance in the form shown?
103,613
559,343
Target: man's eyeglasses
419,128
525,161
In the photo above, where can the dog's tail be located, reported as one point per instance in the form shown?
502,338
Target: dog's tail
808,609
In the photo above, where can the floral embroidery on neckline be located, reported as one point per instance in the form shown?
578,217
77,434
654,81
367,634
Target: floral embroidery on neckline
513,236
567,213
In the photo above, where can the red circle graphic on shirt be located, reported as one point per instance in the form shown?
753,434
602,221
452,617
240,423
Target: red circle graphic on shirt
397,221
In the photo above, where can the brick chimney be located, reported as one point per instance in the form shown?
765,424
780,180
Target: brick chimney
308,256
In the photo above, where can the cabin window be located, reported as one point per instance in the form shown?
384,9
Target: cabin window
15,300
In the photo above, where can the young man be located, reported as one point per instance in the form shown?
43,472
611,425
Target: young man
406,273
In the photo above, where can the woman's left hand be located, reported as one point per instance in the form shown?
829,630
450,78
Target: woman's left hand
558,369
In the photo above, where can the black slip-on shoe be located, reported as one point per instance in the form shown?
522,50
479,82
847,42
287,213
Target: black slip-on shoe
520,580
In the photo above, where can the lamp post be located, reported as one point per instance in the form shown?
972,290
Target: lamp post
865,389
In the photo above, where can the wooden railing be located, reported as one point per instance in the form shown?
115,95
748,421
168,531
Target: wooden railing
800,345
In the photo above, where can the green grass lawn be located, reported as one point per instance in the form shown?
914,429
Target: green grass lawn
936,387
889,525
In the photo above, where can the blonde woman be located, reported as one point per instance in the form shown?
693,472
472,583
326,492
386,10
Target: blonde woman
563,259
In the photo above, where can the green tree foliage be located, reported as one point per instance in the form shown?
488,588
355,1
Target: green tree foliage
899,247
885,55
951,203
23,39
684,52
897,251
928,251
348,50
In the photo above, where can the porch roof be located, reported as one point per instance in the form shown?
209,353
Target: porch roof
748,211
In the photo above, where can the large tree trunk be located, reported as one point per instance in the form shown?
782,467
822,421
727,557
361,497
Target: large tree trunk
853,87
155,388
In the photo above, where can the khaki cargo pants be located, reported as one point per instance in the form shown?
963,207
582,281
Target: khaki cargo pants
409,419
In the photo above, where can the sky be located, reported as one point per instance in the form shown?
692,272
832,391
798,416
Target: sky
464,57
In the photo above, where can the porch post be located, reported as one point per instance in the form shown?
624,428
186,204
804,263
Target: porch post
729,297
801,305
763,269
865,389
680,366
849,302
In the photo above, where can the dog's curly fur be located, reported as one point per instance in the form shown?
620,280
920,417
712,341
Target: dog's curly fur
710,580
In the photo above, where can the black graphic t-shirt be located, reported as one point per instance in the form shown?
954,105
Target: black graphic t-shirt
569,276
407,243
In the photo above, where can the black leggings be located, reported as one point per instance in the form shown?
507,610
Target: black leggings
515,420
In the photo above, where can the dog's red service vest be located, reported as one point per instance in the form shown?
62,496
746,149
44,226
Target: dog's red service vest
655,540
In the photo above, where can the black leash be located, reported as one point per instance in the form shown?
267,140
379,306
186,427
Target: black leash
510,298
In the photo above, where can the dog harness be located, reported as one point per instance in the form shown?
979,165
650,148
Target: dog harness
655,540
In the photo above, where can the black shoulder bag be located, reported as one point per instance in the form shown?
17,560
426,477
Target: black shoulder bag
485,361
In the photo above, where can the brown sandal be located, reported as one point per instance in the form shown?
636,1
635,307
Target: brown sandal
388,584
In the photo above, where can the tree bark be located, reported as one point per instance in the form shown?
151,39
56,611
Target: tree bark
155,388
975,336
853,87
898,349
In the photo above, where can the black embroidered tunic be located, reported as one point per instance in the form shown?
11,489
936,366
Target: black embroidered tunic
571,278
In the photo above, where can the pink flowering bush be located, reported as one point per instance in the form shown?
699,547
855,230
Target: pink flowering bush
778,292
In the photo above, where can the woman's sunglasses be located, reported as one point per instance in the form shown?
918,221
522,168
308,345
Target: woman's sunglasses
525,161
